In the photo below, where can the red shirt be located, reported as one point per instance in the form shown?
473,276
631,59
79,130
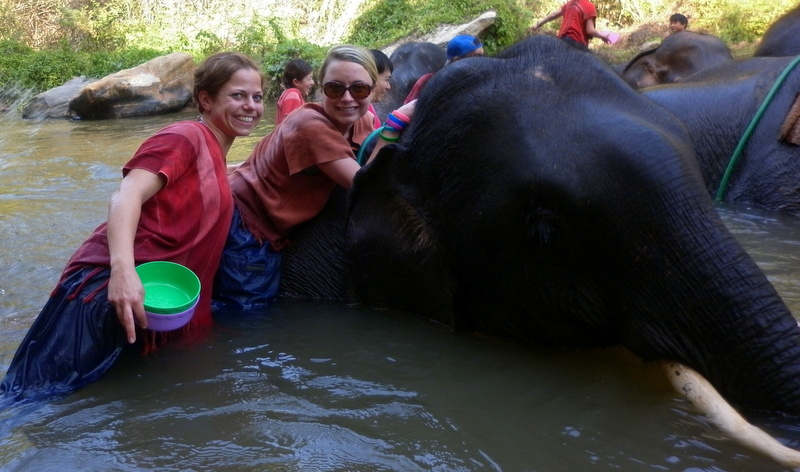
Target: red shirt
417,88
187,221
280,186
376,122
573,24
290,100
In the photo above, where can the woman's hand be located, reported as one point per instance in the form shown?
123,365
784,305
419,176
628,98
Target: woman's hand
126,294
125,291
407,110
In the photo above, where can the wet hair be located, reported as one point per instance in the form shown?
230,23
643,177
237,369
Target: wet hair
217,70
679,18
382,61
296,69
350,53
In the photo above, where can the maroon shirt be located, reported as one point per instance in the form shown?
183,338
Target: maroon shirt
185,222
280,186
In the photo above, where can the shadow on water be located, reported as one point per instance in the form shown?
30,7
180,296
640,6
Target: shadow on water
316,387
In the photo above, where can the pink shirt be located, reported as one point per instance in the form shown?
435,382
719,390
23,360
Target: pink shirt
289,101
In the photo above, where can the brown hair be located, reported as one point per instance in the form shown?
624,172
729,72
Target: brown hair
296,69
217,70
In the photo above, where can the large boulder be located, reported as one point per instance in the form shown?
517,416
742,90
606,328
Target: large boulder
54,102
162,85
445,33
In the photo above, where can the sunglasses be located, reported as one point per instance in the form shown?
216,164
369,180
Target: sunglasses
358,90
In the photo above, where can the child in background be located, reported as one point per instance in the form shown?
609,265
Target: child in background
297,80
383,84
678,22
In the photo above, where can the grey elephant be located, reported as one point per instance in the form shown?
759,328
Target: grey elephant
747,147
678,56
782,38
574,214
410,61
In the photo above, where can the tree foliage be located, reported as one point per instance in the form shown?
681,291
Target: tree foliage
46,42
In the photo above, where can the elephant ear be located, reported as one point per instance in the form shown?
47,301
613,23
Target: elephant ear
393,258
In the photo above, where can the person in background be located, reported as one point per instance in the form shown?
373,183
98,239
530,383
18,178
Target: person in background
174,204
292,171
383,84
577,25
678,22
460,47
297,80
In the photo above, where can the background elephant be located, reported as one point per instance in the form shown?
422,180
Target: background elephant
782,38
678,56
717,105
410,61
571,214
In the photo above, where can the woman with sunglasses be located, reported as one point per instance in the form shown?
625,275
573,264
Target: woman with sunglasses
291,173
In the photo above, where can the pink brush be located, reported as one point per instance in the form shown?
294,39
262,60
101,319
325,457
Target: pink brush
612,37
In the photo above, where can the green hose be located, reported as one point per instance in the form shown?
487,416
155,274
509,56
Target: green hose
360,157
756,118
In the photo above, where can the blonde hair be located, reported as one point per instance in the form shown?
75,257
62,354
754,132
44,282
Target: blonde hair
351,53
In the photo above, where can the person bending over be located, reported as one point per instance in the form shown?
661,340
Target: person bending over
174,204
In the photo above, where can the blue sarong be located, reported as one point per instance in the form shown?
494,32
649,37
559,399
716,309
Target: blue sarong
248,277
74,341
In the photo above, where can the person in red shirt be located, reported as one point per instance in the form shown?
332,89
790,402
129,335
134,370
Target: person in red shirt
297,81
291,173
577,25
173,204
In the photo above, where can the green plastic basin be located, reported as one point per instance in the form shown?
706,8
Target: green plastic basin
169,288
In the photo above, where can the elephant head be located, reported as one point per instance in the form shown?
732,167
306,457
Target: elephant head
782,38
743,119
410,62
678,56
537,196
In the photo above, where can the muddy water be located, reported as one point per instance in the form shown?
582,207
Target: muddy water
315,387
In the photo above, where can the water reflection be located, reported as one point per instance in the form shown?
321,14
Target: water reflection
311,387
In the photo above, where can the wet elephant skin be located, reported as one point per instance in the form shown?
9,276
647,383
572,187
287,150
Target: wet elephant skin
572,214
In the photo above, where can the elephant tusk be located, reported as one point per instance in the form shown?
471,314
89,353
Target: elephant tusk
705,398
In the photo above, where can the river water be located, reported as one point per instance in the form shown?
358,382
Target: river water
320,387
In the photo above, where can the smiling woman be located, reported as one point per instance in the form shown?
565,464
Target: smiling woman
291,173
173,204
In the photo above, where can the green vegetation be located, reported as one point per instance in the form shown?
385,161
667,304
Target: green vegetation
388,20
44,43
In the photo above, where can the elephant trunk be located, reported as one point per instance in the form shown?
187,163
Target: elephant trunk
718,313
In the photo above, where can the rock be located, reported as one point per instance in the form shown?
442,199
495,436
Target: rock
445,33
162,85
54,102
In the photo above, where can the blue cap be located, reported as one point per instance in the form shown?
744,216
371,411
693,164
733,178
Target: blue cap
462,45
